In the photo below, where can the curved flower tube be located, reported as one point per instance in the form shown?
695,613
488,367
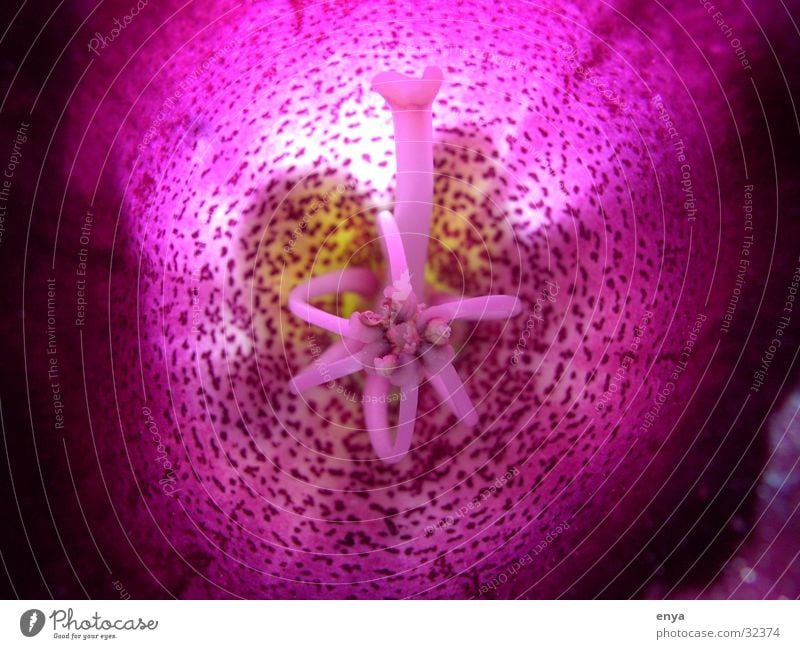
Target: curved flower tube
509,349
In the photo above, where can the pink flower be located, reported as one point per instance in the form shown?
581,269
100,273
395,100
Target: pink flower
288,392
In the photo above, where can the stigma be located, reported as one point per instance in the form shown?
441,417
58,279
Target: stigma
402,343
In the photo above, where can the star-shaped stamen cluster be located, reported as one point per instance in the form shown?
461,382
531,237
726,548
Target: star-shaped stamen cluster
403,342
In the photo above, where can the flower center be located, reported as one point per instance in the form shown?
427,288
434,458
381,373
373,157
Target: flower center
403,342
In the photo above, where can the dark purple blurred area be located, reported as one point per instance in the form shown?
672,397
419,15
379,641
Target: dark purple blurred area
733,533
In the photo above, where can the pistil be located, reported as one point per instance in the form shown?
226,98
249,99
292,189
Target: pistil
411,101
402,342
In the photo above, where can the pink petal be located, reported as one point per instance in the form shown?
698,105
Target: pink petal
453,393
376,398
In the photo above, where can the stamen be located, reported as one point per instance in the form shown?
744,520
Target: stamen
408,372
437,332
435,357
364,329
351,280
489,307
401,340
411,101
451,391
392,246
385,365
400,294
320,373
376,414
